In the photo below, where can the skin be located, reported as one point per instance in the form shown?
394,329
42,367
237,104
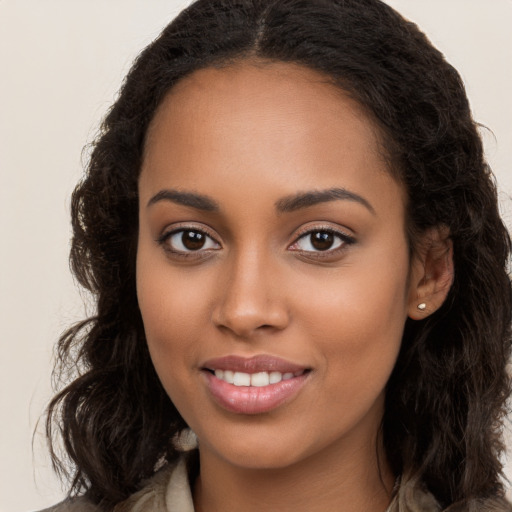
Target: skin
247,136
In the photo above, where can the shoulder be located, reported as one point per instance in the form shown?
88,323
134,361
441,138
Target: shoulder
412,496
150,497
168,485
73,505
487,505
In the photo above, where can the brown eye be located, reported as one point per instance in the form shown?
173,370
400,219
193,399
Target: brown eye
322,240
188,240
193,240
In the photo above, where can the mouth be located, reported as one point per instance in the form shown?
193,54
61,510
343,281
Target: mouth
258,379
255,385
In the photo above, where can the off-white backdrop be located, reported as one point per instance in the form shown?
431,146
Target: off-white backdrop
61,63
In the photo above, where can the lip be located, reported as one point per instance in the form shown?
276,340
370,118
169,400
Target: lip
250,399
259,363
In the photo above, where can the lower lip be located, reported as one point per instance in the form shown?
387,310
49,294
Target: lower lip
252,399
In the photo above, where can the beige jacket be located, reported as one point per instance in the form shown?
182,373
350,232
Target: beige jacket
169,491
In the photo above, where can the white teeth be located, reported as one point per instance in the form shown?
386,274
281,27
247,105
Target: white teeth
229,376
241,379
275,377
255,379
260,379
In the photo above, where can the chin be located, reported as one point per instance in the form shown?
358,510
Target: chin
254,447
262,459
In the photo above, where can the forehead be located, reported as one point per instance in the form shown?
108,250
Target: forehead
258,92
238,123
291,85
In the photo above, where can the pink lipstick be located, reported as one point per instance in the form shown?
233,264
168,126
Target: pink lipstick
253,385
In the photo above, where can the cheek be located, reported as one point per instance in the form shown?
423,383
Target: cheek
357,322
170,334
173,316
169,313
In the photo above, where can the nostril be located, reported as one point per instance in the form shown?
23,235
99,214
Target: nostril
249,315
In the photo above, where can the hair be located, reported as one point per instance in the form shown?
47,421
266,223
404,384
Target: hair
446,398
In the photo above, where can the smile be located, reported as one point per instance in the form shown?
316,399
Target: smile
259,379
253,386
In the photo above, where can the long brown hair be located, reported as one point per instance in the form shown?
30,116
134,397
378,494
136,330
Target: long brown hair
446,397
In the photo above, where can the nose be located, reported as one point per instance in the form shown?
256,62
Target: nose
252,299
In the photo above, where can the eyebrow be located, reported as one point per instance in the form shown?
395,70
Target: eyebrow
314,197
284,205
191,199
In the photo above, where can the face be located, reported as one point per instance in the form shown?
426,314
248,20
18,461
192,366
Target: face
272,268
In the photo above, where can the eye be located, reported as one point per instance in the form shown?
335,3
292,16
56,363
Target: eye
321,240
188,241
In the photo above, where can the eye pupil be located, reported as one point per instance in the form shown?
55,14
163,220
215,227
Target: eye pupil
322,240
193,240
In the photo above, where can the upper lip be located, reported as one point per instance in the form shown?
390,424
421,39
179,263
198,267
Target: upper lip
255,364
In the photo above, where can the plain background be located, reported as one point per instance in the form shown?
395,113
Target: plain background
61,63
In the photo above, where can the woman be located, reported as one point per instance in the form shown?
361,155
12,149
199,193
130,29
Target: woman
294,242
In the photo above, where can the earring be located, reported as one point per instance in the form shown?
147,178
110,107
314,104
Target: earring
422,306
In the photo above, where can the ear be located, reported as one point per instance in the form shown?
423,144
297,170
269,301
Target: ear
431,273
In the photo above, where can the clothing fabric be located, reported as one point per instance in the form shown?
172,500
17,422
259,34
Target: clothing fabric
169,491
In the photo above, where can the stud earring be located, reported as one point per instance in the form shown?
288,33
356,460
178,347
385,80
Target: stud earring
422,306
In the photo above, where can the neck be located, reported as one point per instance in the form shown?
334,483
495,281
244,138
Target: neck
349,478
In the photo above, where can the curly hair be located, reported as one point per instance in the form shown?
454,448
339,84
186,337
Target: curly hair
446,398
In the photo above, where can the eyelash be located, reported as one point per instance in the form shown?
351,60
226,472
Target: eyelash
164,241
344,240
